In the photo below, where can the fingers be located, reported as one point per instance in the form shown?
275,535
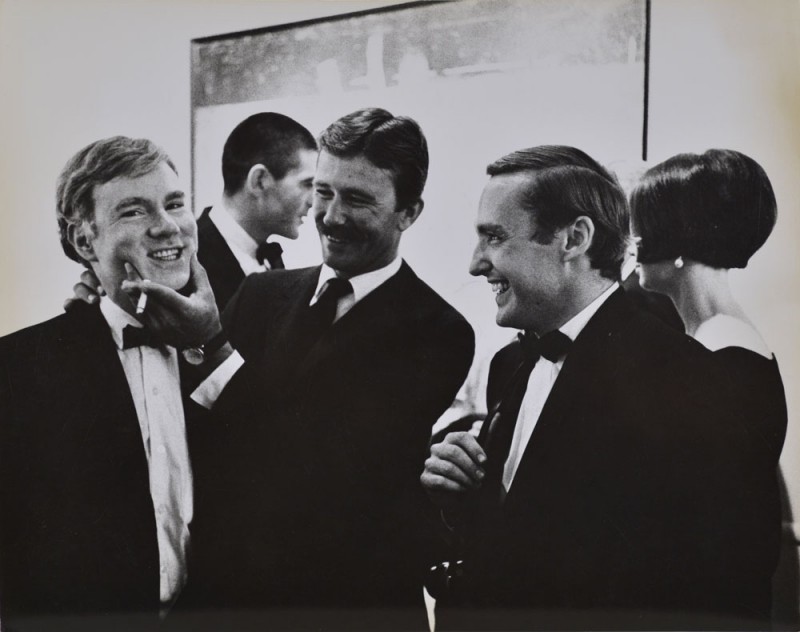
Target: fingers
197,271
437,483
468,444
132,273
83,292
165,296
455,464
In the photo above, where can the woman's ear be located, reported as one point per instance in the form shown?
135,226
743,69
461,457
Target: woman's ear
81,237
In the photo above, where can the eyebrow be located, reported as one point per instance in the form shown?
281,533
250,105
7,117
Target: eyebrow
135,199
489,228
362,193
131,201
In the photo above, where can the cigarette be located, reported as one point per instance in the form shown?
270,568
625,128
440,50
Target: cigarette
141,304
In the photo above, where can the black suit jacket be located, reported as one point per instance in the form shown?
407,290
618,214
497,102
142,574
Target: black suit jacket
621,513
78,527
224,272
316,486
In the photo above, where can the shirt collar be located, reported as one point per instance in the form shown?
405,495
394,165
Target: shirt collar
575,325
117,319
362,284
230,230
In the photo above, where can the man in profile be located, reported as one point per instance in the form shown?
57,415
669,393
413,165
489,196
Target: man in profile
267,168
312,503
589,500
95,478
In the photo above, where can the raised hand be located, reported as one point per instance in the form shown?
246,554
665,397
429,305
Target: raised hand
183,319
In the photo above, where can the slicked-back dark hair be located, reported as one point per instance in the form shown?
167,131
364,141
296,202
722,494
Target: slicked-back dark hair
717,208
94,165
393,143
566,183
268,139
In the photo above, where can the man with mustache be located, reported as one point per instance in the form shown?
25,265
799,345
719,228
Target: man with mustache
267,169
95,479
312,501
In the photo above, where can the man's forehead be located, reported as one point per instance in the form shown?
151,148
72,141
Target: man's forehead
161,181
355,171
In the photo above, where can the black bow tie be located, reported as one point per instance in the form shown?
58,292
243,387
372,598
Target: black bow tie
272,253
138,337
552,346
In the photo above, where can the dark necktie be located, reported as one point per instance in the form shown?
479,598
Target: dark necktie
138,337
502,419
324,310
271,252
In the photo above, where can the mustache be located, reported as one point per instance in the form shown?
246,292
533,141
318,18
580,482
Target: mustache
345,232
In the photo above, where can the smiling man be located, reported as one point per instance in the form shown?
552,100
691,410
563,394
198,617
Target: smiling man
311,504
590,500
95,479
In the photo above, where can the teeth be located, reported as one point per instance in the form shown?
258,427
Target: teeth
168,254
498,287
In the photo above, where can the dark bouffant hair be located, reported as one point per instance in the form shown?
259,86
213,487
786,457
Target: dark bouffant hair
716,208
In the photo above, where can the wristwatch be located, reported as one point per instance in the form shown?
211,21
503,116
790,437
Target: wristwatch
197,355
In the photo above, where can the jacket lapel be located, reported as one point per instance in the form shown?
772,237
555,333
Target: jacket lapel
569,390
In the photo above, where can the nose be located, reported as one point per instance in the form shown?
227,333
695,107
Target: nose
480,264
308,200
333,213
164,225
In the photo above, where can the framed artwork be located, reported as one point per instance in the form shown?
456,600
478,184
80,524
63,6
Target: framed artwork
481,77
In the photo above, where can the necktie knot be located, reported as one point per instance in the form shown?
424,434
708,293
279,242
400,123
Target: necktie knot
138,337
334,289
552,346
271,252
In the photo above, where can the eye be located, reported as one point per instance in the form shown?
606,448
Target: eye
177,205
493,238
356,201
323,194
130,212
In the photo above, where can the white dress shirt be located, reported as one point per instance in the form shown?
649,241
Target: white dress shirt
209,390
154,382
540,383
242,245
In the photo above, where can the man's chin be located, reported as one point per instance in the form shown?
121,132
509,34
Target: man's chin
179,283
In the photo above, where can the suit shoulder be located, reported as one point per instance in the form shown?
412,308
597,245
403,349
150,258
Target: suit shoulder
46,332
271,280
428,298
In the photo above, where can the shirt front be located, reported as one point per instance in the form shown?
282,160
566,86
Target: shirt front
242,245
540,383
154,381
209,390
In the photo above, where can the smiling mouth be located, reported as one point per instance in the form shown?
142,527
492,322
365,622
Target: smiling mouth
166,254
499,287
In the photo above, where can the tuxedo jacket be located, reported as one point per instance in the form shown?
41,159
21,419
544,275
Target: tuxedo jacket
78,532
621,513
224,272
316,482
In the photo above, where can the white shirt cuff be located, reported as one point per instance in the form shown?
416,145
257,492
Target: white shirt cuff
208,392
